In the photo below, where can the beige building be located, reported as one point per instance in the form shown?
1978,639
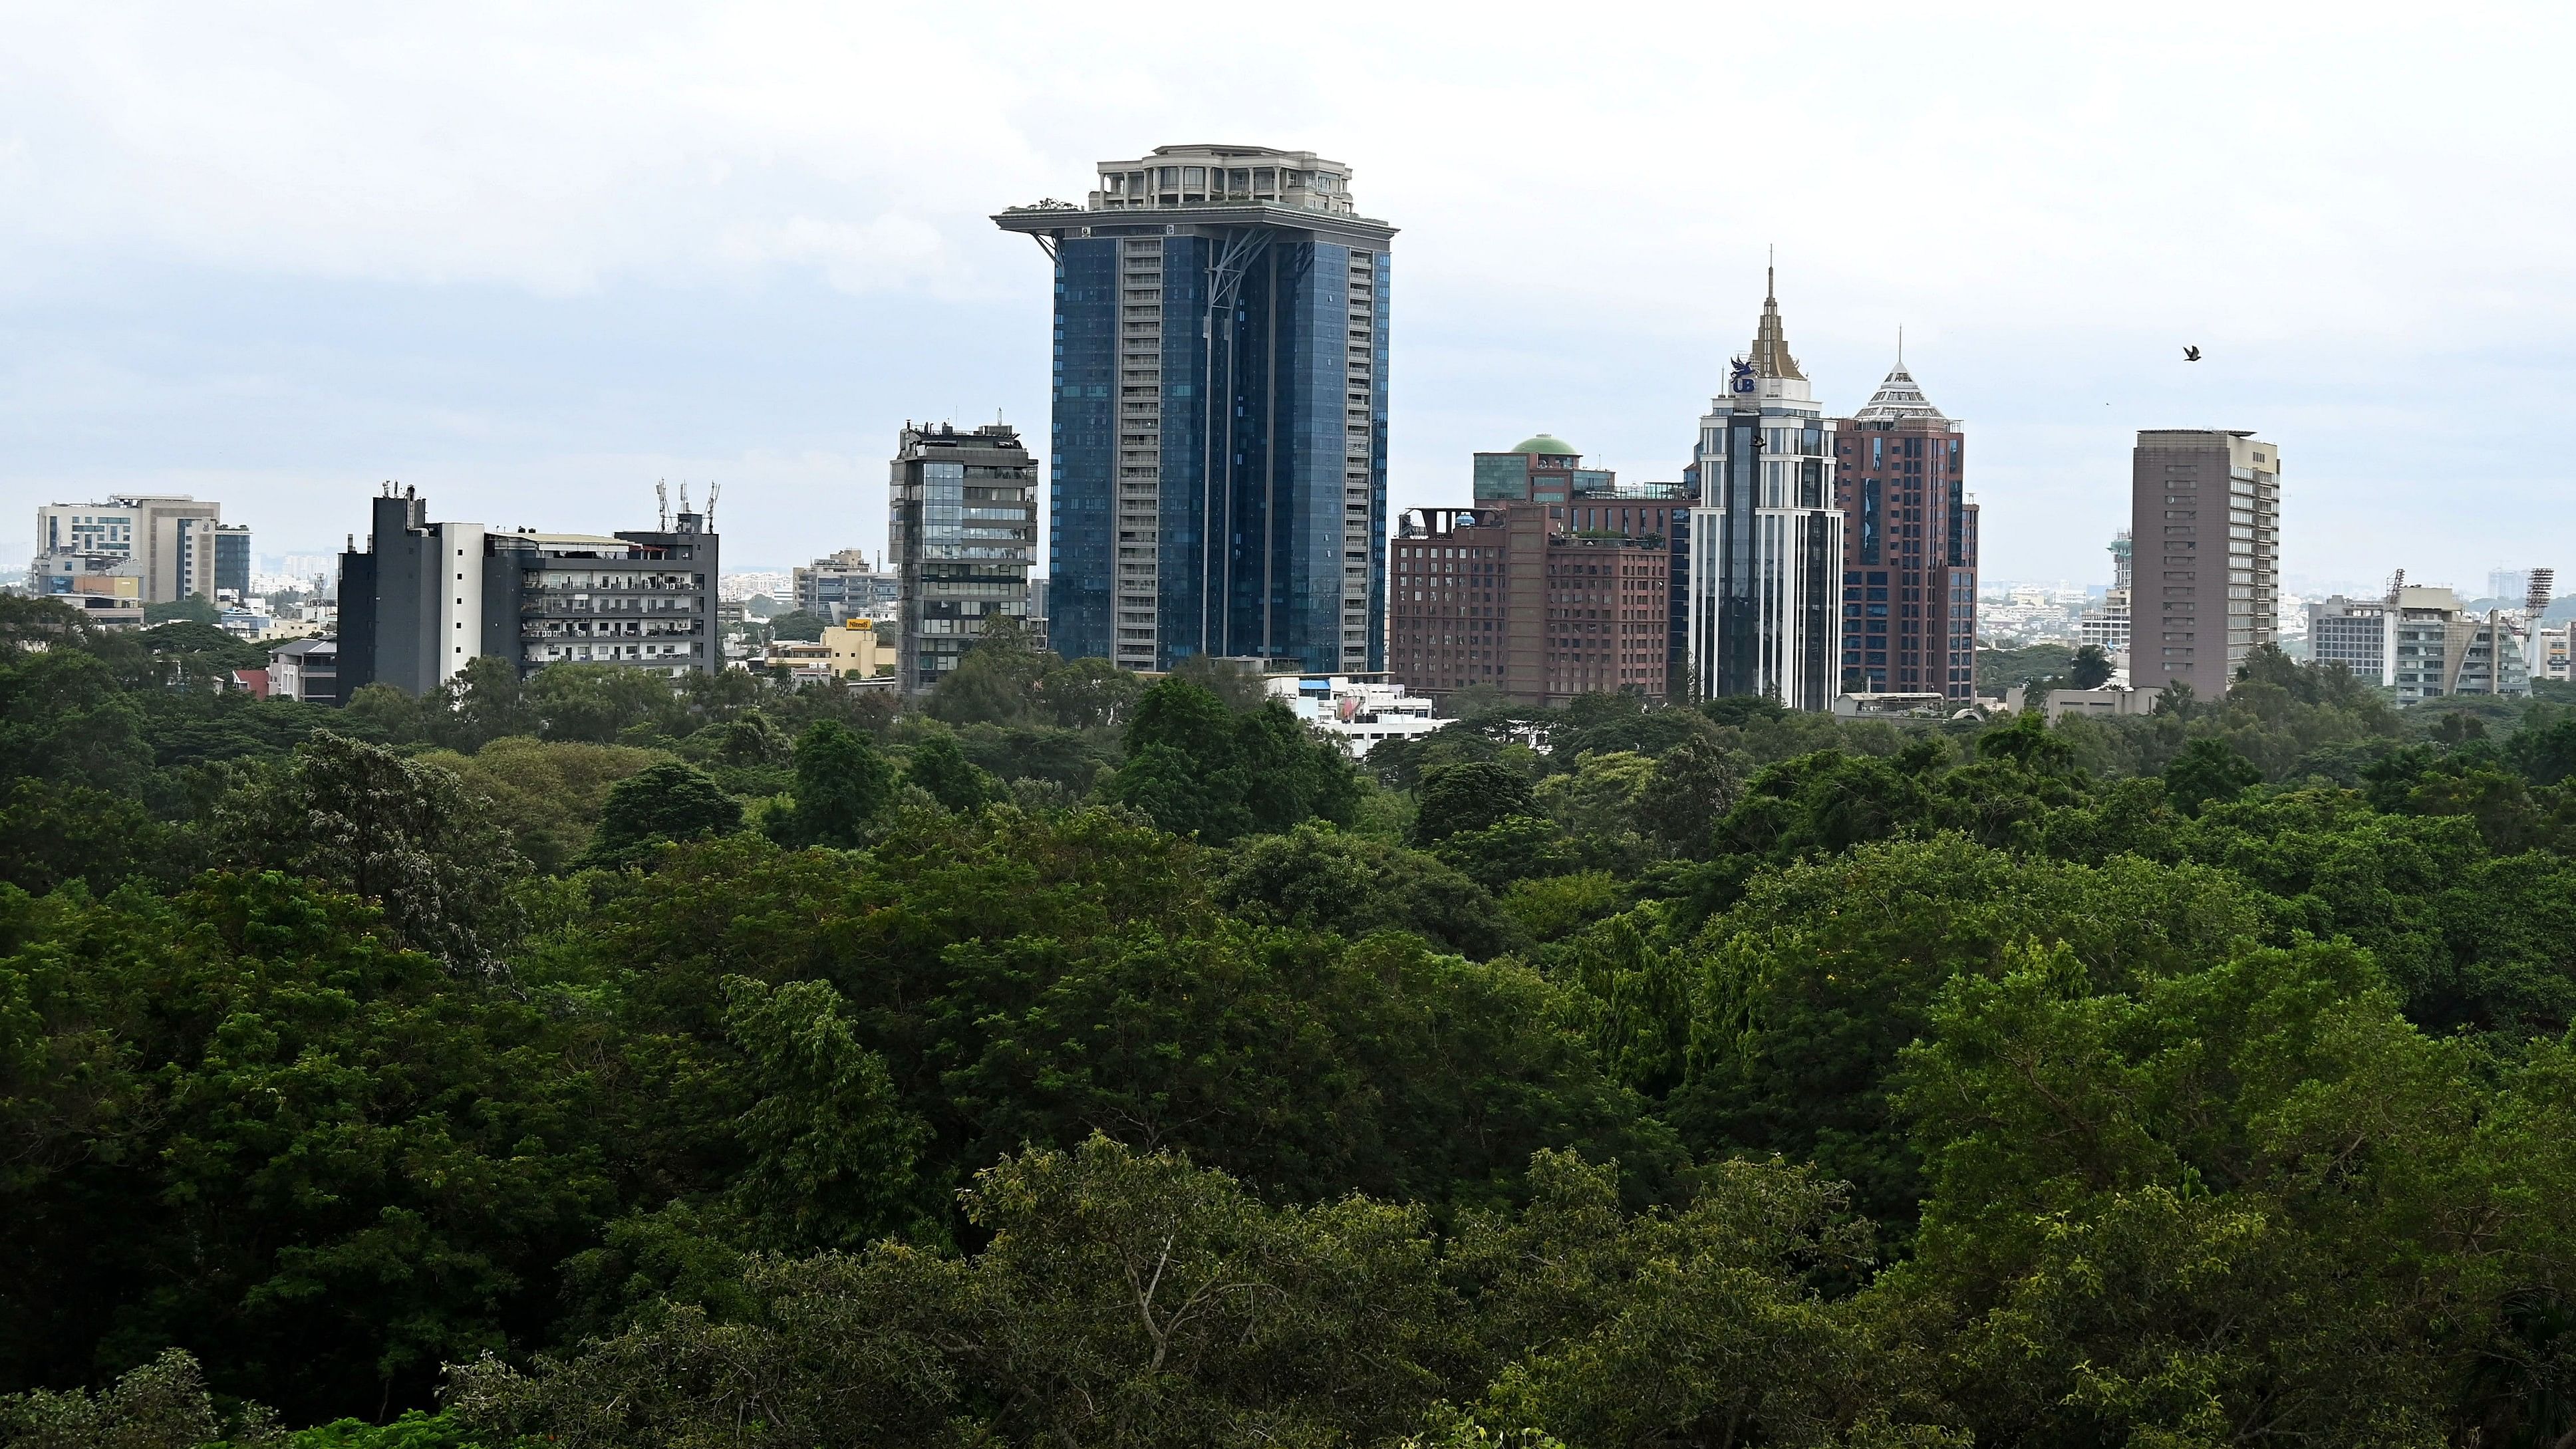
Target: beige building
168,543
851,650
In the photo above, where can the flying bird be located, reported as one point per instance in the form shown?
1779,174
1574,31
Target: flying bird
2191,354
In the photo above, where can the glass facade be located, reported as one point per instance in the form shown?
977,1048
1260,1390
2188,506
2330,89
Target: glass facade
1256,442
232,560
1082,462
963,527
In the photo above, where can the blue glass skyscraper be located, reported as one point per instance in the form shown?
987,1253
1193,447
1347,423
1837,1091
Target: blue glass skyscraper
1217,469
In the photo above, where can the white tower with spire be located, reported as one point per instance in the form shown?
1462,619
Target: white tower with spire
1764,612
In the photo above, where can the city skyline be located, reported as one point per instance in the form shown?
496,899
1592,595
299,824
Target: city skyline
534,299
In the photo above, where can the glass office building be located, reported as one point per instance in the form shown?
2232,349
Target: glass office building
1764,579
963,527
1217,483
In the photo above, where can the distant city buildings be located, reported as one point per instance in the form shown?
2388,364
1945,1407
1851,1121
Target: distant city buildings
167,546
2205,507
2107,628
2421,643
1763,614
423,598
1909,546
964,533
843,586
1218,471
743,585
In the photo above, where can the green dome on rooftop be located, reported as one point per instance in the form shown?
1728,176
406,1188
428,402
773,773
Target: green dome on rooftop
1545,444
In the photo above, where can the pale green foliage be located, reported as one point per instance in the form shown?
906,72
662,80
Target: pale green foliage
547,794
1555,906
162,1405
1601,797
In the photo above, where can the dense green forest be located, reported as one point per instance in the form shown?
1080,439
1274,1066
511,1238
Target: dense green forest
1088,1060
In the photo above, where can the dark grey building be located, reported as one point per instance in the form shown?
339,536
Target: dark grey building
232,559
424,598
1218,455
964,532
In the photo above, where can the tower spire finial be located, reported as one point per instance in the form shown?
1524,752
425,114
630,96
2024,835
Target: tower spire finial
1900,344
1771,272
1770,355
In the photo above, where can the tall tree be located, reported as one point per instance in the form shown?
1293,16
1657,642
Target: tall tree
669,801
1469,796
843,785
942,771
402,835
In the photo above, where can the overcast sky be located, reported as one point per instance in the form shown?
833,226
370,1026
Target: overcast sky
530,258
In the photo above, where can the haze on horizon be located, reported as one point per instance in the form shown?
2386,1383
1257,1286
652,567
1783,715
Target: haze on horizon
531,259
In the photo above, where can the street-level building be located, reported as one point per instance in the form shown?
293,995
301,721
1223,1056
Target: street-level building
853,650
1355,711
306,670
423,598
964,533
1909,591
1765,563
2205,519
1217,478
106,588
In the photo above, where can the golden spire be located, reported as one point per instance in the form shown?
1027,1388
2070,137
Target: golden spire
1770,346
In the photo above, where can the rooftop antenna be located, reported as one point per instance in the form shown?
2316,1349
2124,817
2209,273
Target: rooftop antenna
709,524
684,497
662,496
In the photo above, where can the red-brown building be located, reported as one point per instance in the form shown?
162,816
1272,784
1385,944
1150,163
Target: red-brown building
1909,547
1540,600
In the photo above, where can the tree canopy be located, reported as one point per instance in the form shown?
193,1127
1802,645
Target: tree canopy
599,1059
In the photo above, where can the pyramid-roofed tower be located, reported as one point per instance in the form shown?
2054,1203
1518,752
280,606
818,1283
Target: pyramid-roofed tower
1898,397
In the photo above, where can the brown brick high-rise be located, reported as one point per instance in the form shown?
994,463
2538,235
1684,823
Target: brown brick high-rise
1909,547
1543,601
